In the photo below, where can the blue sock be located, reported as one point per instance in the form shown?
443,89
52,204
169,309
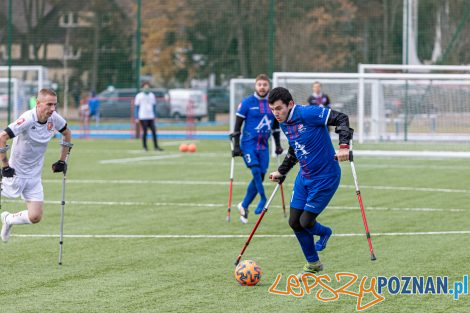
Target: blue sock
258,179
320,230
308,245
324,232
250,195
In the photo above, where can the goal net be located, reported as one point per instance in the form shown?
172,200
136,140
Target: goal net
430,104
386,102
24,84
414,102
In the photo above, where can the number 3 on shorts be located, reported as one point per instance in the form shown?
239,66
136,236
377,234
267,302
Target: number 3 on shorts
247,158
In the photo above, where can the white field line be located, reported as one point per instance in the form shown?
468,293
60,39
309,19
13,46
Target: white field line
204,236
414,154
223,183
137,159
220,205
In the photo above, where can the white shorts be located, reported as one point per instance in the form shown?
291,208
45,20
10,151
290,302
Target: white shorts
30,189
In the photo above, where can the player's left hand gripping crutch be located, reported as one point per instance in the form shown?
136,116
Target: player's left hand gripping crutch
282,188
359,197
61,239
265,209
230,191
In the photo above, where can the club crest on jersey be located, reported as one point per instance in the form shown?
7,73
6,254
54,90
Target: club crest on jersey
20,121
301,128
50,126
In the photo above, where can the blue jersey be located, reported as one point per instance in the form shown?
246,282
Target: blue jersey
258,122
307,132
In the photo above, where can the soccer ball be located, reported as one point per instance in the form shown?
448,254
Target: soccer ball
183,147
192,147
248,273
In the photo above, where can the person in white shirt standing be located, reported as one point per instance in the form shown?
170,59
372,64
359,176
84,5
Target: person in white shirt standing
146,112
21,175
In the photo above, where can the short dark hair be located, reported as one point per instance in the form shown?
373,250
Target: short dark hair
280,93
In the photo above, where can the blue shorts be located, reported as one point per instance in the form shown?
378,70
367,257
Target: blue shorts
253,157
313,195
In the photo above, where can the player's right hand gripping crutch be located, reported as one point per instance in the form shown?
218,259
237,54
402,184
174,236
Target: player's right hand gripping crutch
265,209
282,189
359,197
61,239
230,191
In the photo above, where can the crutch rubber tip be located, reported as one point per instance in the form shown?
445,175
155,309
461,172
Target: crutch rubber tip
372,257
60,263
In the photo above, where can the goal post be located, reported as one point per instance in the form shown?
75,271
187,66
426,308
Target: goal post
386,102
240,88
414,102
423,106
17,94
26,81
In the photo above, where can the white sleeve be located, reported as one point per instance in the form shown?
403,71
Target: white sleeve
137,99
22,123
58,121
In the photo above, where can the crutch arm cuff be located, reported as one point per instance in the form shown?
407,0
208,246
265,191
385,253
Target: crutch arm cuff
67,144
4,149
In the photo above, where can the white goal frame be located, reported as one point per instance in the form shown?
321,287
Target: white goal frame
363,78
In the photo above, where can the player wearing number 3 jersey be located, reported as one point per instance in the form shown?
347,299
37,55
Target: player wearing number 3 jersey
259,122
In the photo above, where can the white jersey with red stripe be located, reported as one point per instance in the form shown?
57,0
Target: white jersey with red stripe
30,142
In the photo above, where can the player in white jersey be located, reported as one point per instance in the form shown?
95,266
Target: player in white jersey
146,112
31,133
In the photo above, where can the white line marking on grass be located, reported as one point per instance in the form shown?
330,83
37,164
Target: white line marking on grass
220,205
146,158
424,189
206,236
414,154
225,183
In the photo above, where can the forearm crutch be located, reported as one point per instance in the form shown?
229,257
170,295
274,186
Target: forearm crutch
61,238
282,189
359,198
232,164
265,209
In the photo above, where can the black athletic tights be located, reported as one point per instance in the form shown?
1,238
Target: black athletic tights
299,219
145,125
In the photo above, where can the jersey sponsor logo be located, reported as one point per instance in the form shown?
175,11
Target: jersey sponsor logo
50,126
20,121
300,151
264,123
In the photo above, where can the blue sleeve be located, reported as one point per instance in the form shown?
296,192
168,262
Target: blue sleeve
315,115
242,110
154,110
136,112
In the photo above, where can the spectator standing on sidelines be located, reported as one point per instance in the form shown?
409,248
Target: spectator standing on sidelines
145,112
94,107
